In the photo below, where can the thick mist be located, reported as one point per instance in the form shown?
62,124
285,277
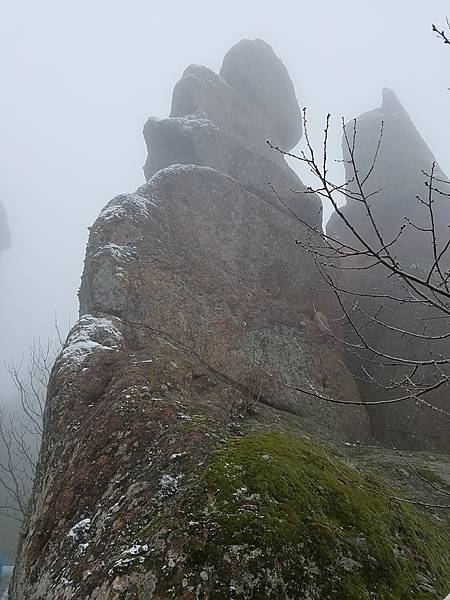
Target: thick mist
78,81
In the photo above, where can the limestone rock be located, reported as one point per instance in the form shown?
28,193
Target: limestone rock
397,178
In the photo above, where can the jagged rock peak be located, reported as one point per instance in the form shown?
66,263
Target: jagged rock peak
258,83
401,142
194,304
390,102
253,69
5,236
401,160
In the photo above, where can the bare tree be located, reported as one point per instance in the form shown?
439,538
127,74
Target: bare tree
21,427
365,313
378,256
441,33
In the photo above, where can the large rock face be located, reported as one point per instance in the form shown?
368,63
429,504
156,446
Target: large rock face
396,180
212,266
224,122
196,307
5,237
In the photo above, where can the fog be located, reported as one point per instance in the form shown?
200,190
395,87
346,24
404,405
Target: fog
79,79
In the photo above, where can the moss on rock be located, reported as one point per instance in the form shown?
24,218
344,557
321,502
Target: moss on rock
280,517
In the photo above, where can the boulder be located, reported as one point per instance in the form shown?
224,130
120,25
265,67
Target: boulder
195,255
252,68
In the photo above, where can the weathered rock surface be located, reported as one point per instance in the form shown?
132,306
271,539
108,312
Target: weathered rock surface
210,264
398,173
217,125
5,236
196,307
193,295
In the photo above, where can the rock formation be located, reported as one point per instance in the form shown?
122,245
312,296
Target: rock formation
399,174
193,294
171,442
5,237
224,121
399,171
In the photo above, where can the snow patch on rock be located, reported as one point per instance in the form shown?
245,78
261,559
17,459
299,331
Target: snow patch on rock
133,206
168,485
78,530
120,253
190,122
91,334
132,555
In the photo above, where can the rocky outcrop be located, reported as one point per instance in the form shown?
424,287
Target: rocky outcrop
5,237
224,122
254,71
196,311
396,180
210,265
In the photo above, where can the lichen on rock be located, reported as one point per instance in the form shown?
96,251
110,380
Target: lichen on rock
173,463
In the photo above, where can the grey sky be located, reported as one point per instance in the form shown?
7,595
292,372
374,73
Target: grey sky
79,79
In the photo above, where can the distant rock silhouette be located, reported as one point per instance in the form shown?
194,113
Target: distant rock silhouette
196,306
5,236
399,174
253,70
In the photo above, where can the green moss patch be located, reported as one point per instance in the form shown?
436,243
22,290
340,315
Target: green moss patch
279,517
